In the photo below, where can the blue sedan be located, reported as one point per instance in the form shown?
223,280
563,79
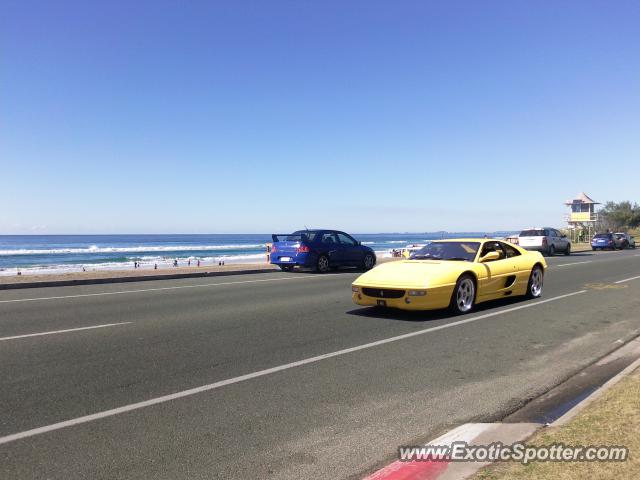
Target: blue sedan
320,250
605,240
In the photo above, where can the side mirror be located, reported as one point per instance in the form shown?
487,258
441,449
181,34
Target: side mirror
490,257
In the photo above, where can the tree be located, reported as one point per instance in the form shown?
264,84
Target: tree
616,216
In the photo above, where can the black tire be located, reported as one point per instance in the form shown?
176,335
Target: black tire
322,264
593,248
286,268
534,287
552,251
568,249
461,304
368,262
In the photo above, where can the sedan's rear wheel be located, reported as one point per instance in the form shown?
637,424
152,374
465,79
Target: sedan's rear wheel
464,295
536,280
322,265
568,250
368,262
552,251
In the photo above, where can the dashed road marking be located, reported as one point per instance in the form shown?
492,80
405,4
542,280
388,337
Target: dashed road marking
54,332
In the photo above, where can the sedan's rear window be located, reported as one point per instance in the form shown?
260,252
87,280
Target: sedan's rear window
533,233
294,237
602,235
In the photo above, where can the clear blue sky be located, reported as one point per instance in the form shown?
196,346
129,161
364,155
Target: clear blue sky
207,117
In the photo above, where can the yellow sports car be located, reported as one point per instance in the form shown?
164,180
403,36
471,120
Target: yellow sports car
453,273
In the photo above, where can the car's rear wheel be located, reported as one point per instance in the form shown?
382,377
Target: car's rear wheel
322,264
568,250
368,262
464,295
552,251
286,268
536,281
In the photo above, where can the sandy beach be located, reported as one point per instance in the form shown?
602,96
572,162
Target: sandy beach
140,272
145,273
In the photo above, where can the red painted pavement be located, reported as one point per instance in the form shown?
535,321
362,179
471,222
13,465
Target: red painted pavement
410,471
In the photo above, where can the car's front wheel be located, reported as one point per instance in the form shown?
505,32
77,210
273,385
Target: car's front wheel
464,295
536,281
322,264
368,262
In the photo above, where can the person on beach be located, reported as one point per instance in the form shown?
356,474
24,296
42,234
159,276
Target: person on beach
155,266
189,263
198,262
175,262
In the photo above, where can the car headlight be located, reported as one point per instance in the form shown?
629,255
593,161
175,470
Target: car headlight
417,293
355,289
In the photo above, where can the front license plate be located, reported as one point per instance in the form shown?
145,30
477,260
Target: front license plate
285,259
382,303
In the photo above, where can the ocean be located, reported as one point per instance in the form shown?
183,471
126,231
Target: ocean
41,254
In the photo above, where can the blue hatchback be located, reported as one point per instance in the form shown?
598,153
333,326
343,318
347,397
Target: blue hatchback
320,250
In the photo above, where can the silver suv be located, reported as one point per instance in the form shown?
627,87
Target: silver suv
546,240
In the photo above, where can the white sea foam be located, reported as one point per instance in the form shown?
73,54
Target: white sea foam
134,249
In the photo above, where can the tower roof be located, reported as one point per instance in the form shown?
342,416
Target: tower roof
582,198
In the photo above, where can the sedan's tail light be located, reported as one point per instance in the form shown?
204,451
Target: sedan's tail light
303,249
273,249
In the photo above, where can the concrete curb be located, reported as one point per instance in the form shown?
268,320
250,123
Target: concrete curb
141,278
471,433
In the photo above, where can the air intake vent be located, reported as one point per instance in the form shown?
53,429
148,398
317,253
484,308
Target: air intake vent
383,292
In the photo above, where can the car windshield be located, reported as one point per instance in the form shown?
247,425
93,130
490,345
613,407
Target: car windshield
462,251
532,233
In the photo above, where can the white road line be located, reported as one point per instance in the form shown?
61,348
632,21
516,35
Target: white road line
262,373
628,279
175,287
53,332
573,263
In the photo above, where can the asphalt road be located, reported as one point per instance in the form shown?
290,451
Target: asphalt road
297,382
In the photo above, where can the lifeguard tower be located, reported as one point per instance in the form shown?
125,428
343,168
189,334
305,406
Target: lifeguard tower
581,221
